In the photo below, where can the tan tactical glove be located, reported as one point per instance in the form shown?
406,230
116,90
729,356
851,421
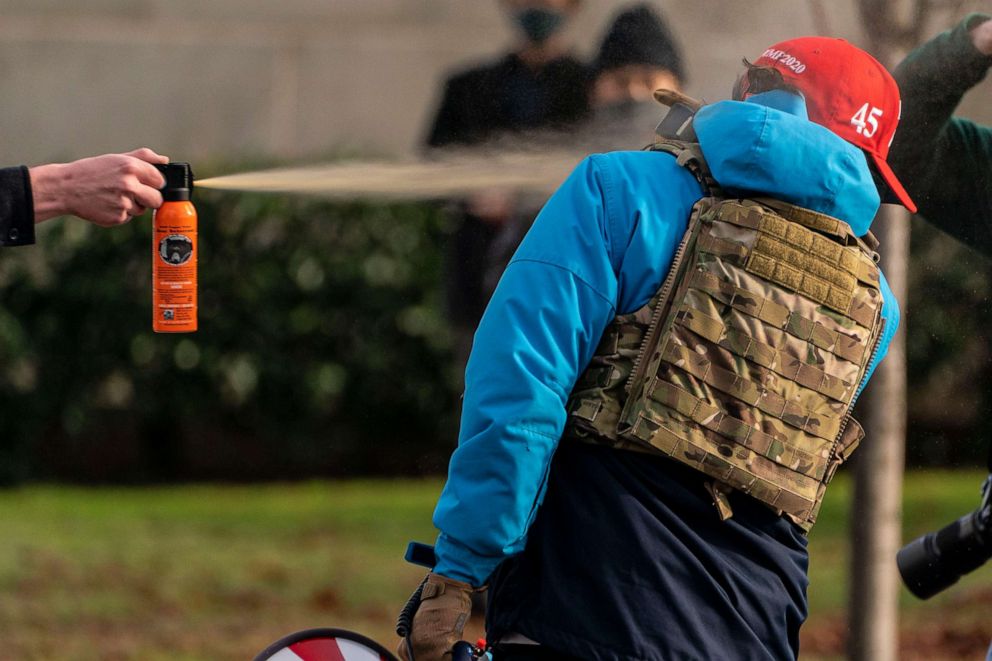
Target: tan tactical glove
445,606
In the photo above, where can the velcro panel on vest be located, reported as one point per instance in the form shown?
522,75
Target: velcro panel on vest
801,272
802,260
811,219
830,226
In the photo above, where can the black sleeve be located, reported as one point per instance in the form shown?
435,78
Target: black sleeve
449,124
942,161
467,113
16,207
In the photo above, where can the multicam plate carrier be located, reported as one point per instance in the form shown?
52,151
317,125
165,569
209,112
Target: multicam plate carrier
746,362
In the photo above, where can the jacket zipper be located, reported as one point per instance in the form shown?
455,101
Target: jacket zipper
663,304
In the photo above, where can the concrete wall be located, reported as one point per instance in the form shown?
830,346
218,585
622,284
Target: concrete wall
228,79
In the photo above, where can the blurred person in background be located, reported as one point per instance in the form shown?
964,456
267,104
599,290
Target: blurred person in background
105,190
638,55
668,520
945,161
538,85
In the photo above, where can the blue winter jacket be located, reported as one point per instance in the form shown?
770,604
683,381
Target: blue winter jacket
601,247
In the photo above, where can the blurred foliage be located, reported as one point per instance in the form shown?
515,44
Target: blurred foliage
949,327
321,350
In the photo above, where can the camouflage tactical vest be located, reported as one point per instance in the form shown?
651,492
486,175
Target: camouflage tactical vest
746,362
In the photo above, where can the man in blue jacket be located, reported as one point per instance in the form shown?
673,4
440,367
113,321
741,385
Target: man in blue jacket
596,552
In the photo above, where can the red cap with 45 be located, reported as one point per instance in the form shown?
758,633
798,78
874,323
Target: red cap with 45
848,91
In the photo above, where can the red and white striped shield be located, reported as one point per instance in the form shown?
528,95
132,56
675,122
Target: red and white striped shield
325,645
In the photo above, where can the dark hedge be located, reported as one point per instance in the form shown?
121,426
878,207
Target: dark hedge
322,349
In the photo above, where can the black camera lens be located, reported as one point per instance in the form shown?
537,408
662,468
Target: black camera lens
935,561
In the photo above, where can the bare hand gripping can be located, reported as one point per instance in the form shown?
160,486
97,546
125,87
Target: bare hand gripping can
174,253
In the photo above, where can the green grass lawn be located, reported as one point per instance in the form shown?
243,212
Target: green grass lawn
218,572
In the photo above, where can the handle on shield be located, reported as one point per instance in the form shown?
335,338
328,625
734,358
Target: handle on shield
418,554
404,623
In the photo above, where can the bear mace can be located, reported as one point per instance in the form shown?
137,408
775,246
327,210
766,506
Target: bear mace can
174,253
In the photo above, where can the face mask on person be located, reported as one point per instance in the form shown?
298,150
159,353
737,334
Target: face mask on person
538,23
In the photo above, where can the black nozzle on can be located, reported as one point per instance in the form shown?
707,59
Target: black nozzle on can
178,181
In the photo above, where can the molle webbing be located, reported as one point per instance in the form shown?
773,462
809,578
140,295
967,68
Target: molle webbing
841,344
748,358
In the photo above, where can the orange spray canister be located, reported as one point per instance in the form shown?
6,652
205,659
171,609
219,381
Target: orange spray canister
174,253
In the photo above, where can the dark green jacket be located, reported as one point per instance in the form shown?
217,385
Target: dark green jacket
946,162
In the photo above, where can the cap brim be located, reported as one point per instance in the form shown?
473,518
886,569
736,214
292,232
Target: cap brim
898,192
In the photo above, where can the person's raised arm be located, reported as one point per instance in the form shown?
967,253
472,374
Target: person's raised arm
933,78
944,161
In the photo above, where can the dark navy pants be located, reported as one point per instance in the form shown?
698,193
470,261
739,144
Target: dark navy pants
627,559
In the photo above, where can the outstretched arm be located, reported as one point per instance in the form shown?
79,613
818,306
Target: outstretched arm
105,190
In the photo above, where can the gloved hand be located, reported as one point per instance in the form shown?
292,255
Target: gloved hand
445,606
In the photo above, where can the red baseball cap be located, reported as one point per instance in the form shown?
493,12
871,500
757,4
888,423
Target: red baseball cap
848,91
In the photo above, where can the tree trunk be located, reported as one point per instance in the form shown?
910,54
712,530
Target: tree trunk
876,516
891,27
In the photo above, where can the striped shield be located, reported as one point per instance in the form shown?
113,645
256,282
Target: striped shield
325,645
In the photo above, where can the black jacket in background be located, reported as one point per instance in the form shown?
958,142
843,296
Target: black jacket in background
16,207
508,96
481,104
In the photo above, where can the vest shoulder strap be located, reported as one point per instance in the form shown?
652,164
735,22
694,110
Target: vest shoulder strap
690,156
